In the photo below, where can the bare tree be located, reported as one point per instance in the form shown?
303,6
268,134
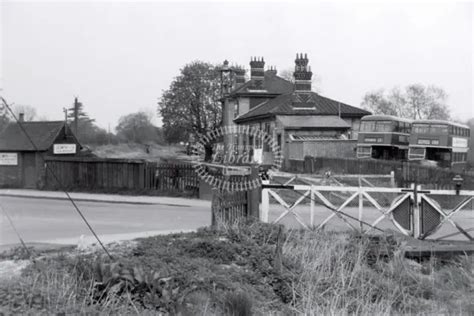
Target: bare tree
28,111
414,101
287,74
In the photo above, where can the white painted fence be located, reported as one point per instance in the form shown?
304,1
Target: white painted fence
412,198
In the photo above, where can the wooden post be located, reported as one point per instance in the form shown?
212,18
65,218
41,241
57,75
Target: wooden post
265,203
253,196
311,207
361,208
416,211
392,179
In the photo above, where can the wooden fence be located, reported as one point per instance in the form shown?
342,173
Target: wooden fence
405,172
112,175
229,207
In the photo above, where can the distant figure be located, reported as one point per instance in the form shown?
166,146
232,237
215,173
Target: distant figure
147,148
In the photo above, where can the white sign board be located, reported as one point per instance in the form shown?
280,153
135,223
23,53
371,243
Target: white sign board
61,149
459,142
8,159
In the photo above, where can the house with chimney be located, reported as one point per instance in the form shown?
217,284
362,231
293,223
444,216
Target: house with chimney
24,147
301,121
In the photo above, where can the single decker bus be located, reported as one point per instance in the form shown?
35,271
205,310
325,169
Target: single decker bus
383,137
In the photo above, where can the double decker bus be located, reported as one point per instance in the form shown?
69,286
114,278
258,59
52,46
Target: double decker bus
441,142
383,137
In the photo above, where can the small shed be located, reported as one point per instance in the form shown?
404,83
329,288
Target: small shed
22,163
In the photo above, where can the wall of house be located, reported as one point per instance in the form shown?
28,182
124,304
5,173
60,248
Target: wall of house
64,138
355,124
322,148
11,175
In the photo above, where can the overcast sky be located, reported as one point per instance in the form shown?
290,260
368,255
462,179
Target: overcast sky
118,57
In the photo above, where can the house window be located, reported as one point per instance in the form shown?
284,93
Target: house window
236,109
266,145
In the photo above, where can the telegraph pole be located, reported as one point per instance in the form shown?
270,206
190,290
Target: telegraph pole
76,110
65,120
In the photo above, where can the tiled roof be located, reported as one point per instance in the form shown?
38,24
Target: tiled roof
42,133
291,104
297,121
273,84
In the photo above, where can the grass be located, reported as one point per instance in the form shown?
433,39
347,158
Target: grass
242,270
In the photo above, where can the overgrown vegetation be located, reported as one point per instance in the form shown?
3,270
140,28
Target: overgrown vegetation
241,270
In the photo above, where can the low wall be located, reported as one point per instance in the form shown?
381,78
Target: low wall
322,148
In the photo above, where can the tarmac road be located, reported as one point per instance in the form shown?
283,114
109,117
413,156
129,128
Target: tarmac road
56,221
46,220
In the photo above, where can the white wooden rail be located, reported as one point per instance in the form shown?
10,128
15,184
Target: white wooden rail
315,192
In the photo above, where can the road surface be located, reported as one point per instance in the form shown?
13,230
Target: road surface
56,221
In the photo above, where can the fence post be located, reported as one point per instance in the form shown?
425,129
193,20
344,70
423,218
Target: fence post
392,179
253,195
265,205
312,207
361,206
416,212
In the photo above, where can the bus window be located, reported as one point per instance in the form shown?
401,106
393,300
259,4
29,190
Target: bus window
421,128
367,126
383,126
438,129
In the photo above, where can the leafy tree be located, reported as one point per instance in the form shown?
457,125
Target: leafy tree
415,101
138,128
192,106
80,120
86,131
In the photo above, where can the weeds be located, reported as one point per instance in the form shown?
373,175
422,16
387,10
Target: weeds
245,269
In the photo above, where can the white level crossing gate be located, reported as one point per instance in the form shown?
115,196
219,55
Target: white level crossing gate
414,211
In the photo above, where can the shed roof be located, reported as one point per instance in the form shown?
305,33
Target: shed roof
42,133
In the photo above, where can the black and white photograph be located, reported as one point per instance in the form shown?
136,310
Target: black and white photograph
236,158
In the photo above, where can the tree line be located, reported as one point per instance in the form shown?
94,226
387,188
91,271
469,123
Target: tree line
134,127
191,106
192,103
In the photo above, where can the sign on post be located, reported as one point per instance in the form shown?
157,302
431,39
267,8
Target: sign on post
8,159
62,149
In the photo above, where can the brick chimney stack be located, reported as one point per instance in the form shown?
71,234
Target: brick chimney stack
239,76
21,117
257,72
302,74
273,70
